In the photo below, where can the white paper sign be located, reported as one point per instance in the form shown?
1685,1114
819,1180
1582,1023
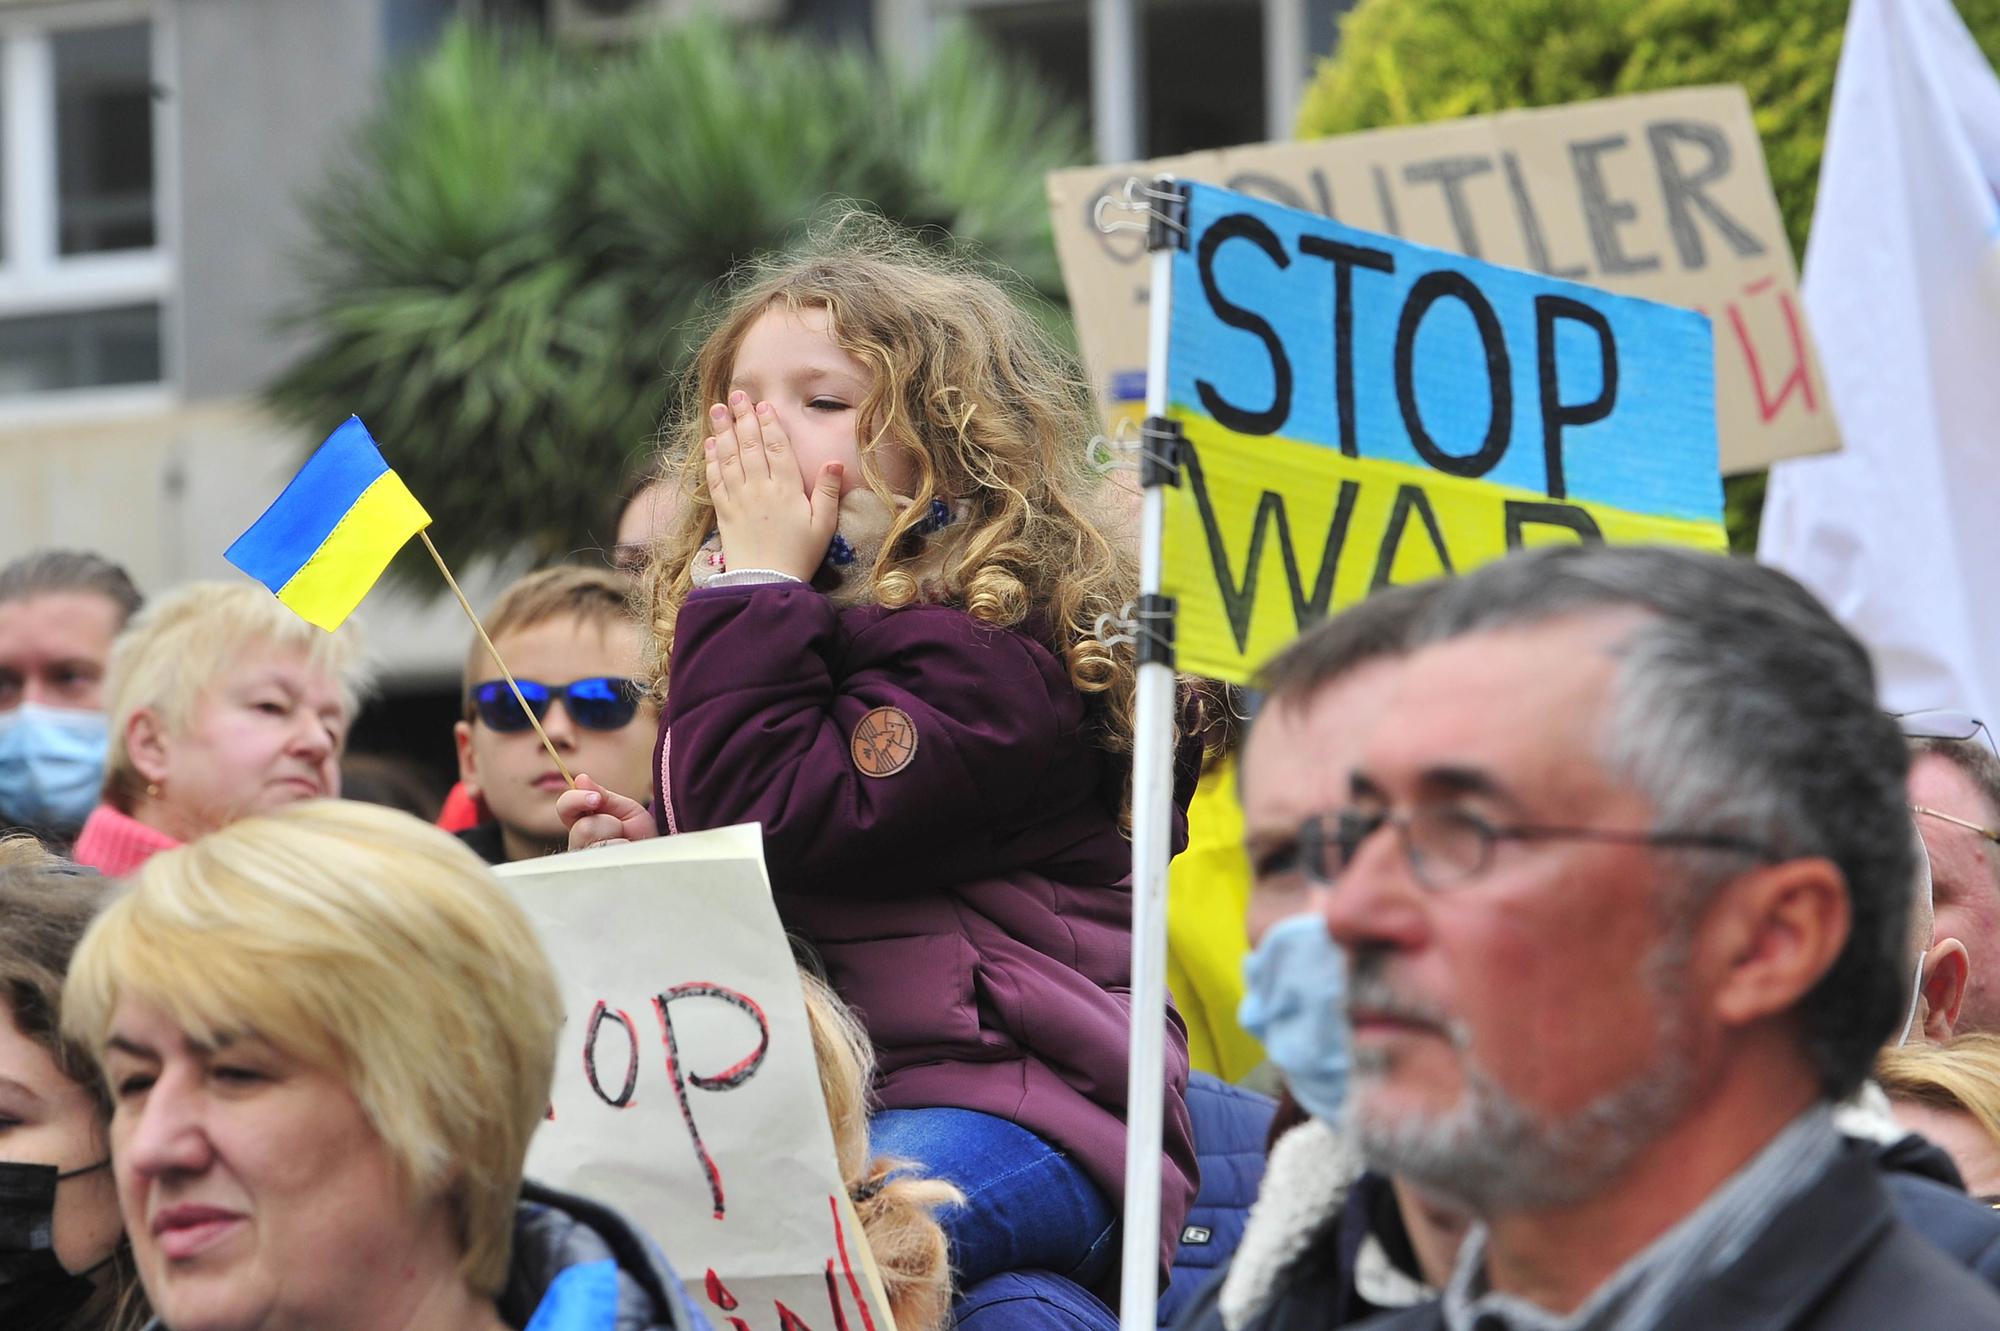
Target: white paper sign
686,1094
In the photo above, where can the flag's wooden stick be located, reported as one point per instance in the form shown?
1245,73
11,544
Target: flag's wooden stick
507,674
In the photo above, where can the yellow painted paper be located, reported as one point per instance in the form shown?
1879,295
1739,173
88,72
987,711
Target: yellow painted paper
1327,529
347,564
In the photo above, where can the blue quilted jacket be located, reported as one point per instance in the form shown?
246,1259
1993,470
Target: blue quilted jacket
1230,1124
1229,1128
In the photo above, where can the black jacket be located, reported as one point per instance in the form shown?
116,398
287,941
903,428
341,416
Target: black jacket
485,839
1930,1197
1836,1258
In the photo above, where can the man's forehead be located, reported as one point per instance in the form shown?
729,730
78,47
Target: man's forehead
60,622
1534,693
569,640
1937,781
1302,749
1964,865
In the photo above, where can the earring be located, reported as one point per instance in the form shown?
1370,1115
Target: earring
152,790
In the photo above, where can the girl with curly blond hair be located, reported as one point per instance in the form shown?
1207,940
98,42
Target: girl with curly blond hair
874,634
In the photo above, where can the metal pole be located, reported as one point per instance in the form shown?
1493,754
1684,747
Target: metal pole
1152,827
1284,65
1117,90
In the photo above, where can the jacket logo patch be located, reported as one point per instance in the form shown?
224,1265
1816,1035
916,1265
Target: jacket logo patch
885,742
1196,1235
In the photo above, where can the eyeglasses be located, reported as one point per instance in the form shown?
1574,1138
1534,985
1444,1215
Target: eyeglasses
1944,723
1446,845
1989,833
602,702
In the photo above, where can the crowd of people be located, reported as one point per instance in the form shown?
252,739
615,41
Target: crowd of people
1617,962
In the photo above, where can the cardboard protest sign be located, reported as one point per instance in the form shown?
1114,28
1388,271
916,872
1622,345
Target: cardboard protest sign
1358,411
686,1093
1662,196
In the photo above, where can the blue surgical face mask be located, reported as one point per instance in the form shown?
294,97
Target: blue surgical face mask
1916,997
1294,1003
51,765
1926,895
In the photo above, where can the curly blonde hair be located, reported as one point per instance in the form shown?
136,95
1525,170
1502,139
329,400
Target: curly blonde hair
992,415
896,1204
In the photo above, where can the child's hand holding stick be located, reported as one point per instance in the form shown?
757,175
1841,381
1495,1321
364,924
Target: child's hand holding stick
599,817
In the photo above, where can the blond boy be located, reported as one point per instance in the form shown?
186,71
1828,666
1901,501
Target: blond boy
575,649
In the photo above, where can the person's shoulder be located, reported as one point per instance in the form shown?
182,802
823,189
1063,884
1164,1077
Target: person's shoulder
556,1233
1962,1228
485,840
1905,1280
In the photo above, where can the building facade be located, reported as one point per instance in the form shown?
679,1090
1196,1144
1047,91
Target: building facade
153,155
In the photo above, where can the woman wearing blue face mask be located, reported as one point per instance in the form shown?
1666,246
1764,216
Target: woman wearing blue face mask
59,612
1295,1004
64,1262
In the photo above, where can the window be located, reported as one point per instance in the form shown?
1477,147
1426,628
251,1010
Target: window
1201,70
83,270
104,139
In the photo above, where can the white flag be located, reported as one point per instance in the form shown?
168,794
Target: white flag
1900,533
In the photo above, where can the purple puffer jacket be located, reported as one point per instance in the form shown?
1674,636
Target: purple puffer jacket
974,902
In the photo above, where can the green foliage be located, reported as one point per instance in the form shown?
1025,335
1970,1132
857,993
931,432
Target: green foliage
1403,62
507,276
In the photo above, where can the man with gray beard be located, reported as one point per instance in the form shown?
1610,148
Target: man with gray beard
1621,870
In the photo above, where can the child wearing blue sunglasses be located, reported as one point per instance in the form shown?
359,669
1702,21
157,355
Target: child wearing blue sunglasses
574,648
874,633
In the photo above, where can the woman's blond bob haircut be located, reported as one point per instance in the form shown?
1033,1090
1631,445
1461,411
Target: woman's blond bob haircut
174,649
1964,1074
372,946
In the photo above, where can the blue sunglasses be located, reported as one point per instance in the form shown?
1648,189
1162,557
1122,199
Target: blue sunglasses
601,702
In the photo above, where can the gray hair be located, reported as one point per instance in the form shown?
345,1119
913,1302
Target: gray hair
1371,630
47,572
1972,757
1740,707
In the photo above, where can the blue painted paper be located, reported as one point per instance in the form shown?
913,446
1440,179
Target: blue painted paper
1653,454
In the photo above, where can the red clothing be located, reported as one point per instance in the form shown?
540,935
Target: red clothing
966,883
116,844
462,809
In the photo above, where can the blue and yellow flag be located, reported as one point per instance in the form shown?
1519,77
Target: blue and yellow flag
328,537
1358,412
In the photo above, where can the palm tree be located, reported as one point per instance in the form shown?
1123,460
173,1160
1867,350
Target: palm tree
507,275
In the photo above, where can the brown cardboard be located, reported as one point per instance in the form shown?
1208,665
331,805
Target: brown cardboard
1662,196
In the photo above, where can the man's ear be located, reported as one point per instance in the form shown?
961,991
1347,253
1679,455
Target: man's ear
1947,969
147,745
468,766
1773,933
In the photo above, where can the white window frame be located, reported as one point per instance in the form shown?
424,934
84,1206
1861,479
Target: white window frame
35,277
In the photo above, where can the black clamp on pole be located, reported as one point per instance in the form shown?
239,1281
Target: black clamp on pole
1160,443
1153,626
1167,217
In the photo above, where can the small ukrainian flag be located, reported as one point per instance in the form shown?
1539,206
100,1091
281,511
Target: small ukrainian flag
328,537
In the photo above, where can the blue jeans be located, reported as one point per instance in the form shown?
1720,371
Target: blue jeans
1027,1205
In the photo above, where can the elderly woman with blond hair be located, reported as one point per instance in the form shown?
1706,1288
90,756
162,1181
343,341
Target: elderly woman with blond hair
329,1036
221,703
